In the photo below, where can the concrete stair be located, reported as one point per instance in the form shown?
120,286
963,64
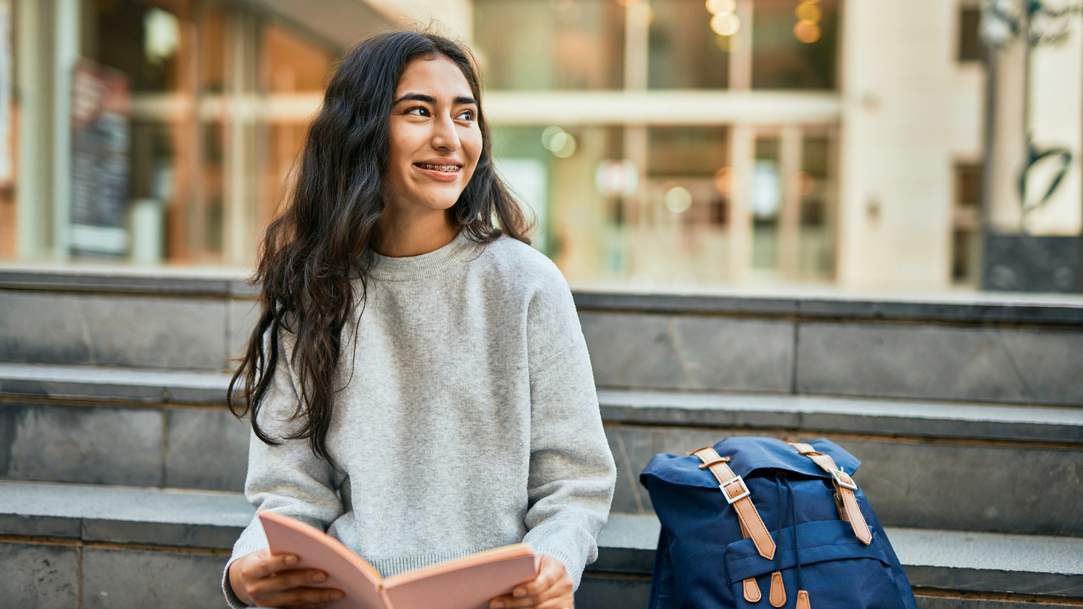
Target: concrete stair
119,536
119,462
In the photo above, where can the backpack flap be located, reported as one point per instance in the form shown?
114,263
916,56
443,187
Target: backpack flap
747,454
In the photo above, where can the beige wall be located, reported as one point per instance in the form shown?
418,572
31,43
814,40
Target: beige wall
910,111
454,18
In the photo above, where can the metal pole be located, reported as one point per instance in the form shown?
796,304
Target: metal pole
992,36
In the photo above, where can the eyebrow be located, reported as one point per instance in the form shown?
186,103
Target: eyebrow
431,100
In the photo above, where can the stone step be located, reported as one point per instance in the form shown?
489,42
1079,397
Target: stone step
662,408
810,414
992,348
119,538
170,429
126,385
120,426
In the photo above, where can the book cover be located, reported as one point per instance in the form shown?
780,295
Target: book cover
464,583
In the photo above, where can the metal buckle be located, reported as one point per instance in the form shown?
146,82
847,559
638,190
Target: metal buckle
837,477
738,480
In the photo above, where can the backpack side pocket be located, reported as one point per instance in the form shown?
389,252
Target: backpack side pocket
836,569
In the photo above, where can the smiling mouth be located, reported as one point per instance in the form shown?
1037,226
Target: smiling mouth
442,168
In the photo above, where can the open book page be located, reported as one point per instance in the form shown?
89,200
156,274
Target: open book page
345,570
466,583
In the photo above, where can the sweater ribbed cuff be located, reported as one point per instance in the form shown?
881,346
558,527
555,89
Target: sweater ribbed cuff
227,589
575,572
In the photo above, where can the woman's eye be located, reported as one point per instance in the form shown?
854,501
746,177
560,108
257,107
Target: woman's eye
466,115
418,111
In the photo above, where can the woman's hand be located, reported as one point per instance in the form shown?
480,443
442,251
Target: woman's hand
551,589
262,580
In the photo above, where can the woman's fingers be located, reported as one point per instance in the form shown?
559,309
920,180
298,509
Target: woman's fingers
264,564
272,580
288,580
551,589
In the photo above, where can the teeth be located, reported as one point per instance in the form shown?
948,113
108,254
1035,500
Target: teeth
445,168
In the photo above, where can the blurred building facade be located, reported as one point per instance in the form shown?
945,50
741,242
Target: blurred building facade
660,143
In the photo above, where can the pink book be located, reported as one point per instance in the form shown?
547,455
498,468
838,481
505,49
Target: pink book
465,583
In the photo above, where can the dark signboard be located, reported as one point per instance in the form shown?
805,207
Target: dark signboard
101,135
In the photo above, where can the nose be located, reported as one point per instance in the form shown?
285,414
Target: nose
445,136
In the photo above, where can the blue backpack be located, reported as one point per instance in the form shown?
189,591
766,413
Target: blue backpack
758,523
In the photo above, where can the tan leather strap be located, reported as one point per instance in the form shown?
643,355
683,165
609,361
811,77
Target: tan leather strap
751,590
778,590
844,489
733,487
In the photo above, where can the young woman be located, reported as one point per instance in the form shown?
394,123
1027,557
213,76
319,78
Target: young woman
418,382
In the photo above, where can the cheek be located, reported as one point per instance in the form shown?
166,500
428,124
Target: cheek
400,145
472,147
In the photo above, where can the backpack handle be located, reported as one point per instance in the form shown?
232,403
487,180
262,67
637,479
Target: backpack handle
844,489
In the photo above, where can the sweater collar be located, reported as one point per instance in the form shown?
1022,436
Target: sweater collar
433,263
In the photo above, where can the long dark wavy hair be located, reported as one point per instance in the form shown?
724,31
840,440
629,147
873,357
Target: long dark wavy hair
322,242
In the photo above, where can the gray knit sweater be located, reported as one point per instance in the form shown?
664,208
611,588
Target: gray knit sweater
467,419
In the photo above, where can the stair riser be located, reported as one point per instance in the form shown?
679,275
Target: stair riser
939,485
182,448
48,576
190,333
915,361
858,357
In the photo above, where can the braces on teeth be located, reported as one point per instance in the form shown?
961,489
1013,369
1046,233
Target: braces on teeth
439,167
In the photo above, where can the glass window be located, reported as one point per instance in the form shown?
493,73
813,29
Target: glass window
685,53
667,221
608,219
814,184
687,151
133,108
966,223
971,47
794,48
683,225
547,44
765,200
579,44
206,166
291,66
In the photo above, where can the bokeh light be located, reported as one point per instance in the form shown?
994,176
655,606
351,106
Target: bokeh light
617,178
807,11
723,181
725,24
677,199
721,7
806,31
548,134
558,141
